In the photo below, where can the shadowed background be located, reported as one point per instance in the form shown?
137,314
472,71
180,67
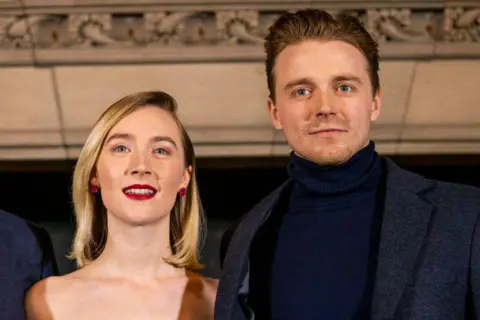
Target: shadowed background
62,63
40,191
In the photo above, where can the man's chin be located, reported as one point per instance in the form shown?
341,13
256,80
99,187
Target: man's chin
329,161
329,156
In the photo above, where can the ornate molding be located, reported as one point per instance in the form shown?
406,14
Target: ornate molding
462,24
400,25
161,31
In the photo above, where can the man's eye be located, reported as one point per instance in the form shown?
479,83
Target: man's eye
302,92
161,151
345,88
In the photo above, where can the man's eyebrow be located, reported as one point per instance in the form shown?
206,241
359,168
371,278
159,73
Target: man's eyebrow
347,77
300,81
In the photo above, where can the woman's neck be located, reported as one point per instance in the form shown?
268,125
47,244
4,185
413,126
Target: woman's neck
137,252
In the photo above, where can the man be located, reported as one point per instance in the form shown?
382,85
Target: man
350,235
26,256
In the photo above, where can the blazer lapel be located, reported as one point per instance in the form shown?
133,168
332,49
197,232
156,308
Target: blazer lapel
405,224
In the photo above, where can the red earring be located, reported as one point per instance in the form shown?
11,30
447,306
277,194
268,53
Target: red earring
94,189
182,191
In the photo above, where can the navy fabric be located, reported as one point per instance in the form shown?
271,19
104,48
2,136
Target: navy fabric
324,245
26,256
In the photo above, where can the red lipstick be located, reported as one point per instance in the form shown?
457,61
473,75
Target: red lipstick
140,192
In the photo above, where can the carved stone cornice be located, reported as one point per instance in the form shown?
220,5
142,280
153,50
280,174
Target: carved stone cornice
46,32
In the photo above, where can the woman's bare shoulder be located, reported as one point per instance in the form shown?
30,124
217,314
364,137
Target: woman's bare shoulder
48,296
37,305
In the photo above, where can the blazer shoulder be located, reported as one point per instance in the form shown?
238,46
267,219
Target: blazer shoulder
460,195
19,230
451,196
433,189
459,188
15,227
29,241
10,220
226,238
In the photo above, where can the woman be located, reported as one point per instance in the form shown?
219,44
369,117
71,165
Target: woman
138,222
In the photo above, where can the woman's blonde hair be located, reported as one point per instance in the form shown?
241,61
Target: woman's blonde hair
186,217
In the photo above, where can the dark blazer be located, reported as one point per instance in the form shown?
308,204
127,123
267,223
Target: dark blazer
429,254
26,256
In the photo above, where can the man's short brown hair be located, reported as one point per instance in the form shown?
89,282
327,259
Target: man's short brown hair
292,28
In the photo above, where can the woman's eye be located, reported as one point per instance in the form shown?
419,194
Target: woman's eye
120,149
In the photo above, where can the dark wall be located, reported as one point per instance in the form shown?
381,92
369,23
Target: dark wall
40,191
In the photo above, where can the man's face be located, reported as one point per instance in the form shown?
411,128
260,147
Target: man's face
323,100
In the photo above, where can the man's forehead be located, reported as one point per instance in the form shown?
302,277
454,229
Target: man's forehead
320,59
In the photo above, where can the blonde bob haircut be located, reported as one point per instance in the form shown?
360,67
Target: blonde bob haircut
186,216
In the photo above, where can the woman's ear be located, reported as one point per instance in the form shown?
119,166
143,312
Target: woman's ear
187,176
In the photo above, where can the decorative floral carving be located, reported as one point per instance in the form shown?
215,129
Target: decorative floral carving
397,25
161,27
91,30
14,32
462,24
239,26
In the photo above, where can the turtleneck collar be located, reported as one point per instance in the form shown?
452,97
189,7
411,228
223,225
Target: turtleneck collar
362,169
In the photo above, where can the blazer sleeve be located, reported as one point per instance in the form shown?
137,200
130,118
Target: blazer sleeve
227,236
225,242
475,271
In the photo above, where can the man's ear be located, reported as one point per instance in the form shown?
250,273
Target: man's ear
376,107
274,115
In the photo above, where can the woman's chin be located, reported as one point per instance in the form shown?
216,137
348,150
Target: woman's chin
139,219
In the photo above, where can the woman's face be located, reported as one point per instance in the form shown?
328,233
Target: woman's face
141,167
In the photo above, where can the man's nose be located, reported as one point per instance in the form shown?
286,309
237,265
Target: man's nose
324,104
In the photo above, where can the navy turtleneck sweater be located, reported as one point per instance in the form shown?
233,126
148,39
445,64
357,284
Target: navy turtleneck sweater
315,256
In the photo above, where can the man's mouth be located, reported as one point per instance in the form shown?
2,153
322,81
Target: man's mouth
327,131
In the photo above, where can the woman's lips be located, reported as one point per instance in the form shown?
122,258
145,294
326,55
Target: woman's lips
140,192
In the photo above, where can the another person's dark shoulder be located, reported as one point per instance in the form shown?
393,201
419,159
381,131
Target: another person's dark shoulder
25,249
26,257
